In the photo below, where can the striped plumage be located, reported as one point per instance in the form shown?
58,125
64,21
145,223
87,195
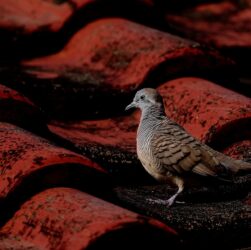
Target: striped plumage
168,152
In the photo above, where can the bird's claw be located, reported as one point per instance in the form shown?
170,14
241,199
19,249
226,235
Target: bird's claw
168,202
180,202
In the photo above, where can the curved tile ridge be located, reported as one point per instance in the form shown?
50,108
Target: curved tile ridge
205,23
240,149
213,114
109,142
30,16
15,243
63,218
36,27
19,110
30,163
111,58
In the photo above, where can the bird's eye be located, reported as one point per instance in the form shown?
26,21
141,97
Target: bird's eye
142,97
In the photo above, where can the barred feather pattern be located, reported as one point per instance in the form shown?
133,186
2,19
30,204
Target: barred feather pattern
166,150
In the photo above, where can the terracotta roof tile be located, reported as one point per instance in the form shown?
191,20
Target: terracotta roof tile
32,27
23,154
111,58
80,3
241,148
19,110
29,16
111,142
206,22
211,218
64,218
14,243
208,111
233,18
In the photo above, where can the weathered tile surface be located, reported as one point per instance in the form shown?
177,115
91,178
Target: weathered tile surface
105,62
63,218
23,154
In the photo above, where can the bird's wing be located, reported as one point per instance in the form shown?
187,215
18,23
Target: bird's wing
178,152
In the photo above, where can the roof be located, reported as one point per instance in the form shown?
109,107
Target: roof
69,173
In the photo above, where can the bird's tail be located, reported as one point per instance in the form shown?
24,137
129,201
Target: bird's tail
233,165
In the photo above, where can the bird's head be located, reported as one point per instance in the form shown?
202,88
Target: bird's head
146,98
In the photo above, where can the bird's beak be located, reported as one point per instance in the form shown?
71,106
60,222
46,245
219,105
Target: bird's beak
131,105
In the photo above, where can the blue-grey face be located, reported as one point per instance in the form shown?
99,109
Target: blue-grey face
145,98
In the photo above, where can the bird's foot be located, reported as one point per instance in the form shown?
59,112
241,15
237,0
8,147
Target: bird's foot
180,202
158,201
168,202
171,200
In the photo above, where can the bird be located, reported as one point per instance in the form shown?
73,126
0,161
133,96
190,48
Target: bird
169,153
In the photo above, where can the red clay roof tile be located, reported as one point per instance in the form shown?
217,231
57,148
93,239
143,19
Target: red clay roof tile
241,148
206,22
35,27
29,16
80,3
225,25
10,94
15,243
108,59
111,142
210,218
22,154
64,218
19,110
215,115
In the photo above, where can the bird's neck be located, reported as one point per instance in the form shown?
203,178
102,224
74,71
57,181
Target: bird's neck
153,112
151,117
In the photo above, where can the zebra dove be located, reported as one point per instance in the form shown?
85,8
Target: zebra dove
170,154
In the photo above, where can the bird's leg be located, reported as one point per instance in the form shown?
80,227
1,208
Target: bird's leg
171,200
180,183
